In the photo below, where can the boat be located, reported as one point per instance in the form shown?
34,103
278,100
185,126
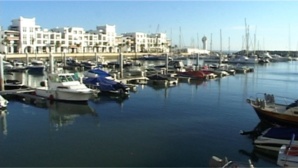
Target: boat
278,58
275,109
7,66
14,84
88,64
102,81
3,103
192,74
18,66
106,85
241,59
36,66
274,137
72,63
288,155
64,87
161,79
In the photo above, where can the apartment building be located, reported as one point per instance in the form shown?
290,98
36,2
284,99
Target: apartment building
25,36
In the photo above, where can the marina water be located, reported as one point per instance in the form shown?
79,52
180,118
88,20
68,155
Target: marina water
182,125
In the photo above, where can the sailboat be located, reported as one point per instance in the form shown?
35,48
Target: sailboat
245,59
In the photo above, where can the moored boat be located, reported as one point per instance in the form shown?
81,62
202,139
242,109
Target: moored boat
273,138
288,156
276,109
192,74
64,87
101,80
3,103
36,67
160,79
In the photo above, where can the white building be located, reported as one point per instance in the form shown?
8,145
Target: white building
108,37
25,36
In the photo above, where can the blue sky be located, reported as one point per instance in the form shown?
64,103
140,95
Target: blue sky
273,23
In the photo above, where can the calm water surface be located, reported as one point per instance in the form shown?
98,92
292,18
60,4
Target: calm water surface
183,125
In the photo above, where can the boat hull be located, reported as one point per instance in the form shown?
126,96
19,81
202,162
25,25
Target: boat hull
276,118
288,157
36,70
274,137
192,74
60,95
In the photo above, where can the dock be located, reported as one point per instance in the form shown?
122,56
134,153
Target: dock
26,95
134,80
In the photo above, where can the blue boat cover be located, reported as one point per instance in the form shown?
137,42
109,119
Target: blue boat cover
99,72
282,133
104,84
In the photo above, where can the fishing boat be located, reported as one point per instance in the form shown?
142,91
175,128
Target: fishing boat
275,109
273,138
64,87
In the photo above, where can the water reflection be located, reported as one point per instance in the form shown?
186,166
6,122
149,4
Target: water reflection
110,99
257,154
260,154
63,114
3,122
197,82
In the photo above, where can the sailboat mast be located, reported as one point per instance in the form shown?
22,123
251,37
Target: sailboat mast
198,41
247,37
220,55
179,37
211,43
229,46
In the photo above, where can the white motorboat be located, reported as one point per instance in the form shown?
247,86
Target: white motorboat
288,156
241,59
7,66
64,87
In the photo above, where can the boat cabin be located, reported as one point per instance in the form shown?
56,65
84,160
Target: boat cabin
59,78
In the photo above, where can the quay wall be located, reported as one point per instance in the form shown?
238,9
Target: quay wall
79,56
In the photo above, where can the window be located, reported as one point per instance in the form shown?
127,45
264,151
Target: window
69,78
24,29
